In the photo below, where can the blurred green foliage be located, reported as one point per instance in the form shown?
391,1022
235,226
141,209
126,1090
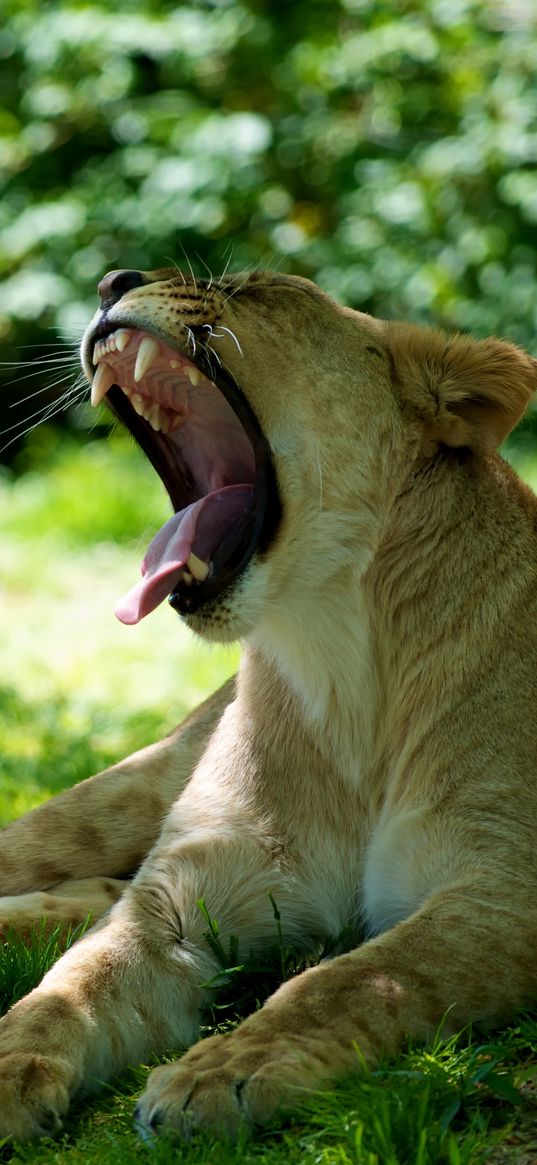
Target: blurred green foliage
385,148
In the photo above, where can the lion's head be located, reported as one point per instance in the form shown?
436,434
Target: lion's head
283,427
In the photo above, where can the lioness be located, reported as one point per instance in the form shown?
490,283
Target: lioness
339,506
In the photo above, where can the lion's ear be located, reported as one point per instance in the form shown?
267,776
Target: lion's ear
468,392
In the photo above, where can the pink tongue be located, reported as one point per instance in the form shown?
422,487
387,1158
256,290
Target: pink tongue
200,528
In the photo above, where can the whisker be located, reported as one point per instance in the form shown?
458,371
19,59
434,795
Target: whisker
191,339
60,403
52,411
218,336
41,361
190,267
66,373
271,264
207,268
213,353
46,388
48,345
176,267
236,290
231,246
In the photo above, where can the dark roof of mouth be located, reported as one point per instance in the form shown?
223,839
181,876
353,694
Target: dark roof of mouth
215,464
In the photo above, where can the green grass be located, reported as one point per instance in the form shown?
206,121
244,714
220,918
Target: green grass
460,1101
79,691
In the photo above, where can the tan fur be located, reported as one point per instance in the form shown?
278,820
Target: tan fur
376,767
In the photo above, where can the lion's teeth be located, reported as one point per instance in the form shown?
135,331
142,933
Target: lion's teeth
137,403
122,338
197,567
153,416
194,375
158,417
145,357
115,342
103,380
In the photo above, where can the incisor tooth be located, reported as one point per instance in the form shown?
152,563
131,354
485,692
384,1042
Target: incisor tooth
122,339
194,375
197,567
102,381
146,356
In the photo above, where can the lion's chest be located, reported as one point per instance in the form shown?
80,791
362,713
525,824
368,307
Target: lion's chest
397,870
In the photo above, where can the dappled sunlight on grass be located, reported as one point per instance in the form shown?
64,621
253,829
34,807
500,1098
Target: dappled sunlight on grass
81,689
64,636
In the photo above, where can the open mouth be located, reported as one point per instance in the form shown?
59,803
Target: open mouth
205,443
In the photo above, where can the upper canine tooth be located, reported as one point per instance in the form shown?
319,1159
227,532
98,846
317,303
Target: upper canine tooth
198,567
194,375
146,356
102,381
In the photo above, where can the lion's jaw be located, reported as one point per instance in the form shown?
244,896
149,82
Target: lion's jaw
317,381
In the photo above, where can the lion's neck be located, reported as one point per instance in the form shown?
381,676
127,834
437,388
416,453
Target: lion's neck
322,650
360,656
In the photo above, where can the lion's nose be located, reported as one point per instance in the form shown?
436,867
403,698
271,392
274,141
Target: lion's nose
116,283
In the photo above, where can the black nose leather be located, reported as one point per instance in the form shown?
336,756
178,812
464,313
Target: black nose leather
116,283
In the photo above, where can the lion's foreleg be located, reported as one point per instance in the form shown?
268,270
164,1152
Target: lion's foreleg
461,957
133,986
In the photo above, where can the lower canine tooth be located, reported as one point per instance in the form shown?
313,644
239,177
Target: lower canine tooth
137,402
146,356
103,380
197,567
153,417
194,375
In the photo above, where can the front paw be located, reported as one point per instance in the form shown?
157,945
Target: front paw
33,1096
228,1083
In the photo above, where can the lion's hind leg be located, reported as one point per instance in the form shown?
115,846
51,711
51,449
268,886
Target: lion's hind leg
103,828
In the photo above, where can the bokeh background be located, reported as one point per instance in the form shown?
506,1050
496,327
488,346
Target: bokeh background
385,148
